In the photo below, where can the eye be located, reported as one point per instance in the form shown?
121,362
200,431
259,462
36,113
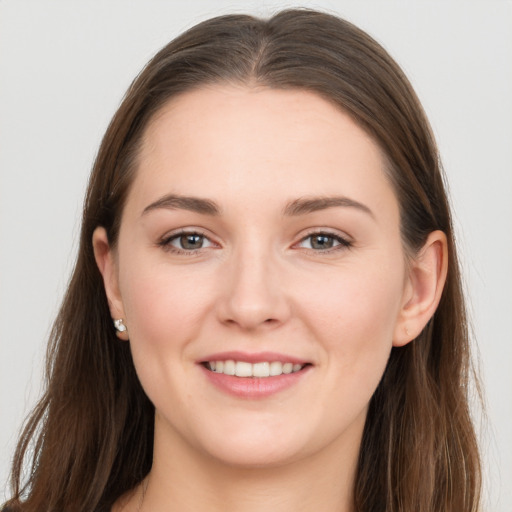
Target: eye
323,242
186,242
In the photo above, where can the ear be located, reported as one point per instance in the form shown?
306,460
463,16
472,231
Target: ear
425,282
105,259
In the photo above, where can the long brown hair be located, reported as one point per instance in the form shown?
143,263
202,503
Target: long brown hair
90,438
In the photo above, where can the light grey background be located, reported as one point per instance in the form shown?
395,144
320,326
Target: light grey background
64,67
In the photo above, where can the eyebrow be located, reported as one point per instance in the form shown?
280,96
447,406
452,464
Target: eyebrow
303,206
178,202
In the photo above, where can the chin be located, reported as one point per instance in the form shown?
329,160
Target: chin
253,444
256,456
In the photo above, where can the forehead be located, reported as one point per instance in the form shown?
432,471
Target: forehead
235,141
252,115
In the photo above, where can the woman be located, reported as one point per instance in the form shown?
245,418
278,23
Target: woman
266,309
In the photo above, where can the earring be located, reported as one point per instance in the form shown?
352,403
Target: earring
119,325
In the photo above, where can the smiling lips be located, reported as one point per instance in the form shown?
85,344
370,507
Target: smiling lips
259,370
254,376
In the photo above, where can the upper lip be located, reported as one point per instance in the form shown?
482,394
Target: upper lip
254,357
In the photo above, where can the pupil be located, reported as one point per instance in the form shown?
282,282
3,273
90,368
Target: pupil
191,241
322,242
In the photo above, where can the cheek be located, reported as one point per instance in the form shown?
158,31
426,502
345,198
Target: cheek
160,301
164,311
355,301
354,317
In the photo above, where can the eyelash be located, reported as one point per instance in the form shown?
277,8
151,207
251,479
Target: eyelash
166,242
343,243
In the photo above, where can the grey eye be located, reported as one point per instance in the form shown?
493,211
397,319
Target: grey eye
186,242
322,241
190,241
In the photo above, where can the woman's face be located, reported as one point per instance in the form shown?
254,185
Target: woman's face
260,236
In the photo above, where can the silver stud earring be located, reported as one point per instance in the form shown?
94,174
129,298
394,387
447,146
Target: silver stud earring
119,325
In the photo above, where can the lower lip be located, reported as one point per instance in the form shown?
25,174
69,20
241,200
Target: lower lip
254,387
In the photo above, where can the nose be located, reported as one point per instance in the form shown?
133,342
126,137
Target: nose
253,295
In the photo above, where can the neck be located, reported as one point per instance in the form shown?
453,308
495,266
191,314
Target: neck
184,479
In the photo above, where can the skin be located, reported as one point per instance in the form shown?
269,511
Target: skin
258,284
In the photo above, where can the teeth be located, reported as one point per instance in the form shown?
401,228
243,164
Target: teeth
229,368
287,368
276,368
244,369
261,370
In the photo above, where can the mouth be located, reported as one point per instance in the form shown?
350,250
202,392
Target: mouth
245,369
254,376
